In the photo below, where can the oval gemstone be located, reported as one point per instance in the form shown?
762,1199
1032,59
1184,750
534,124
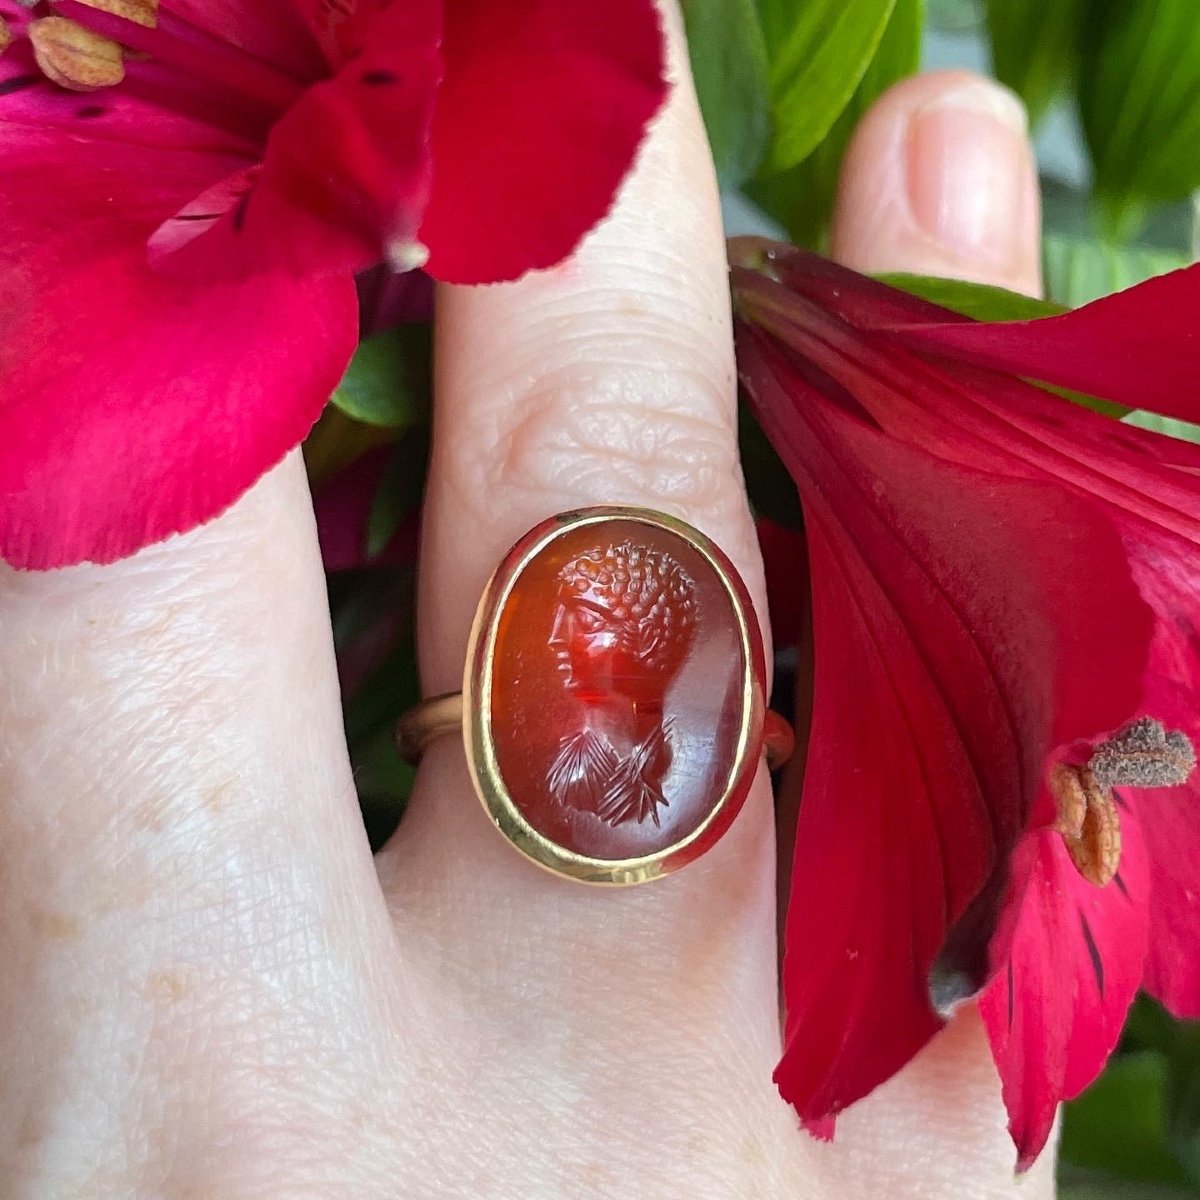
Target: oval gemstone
625,695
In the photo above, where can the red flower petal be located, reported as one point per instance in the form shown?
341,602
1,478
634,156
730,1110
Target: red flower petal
1051,349
539,115
1054,1015
960,621
1172,832
823,1131
136,406
1137,347
882,353
33,110
785,565
970,414
284,33
1170,817
346,173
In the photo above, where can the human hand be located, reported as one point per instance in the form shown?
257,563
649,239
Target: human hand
211,990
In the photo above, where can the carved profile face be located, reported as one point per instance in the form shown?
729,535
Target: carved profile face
624,624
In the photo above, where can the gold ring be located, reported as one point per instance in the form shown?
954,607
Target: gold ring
613,708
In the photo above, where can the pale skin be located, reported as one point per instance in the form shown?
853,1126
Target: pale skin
211,990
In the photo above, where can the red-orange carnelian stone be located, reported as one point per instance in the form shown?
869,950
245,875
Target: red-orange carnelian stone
618,691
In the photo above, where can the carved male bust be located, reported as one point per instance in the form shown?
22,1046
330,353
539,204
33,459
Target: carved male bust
622,631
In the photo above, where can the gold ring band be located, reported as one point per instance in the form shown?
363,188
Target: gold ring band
613,708
426,722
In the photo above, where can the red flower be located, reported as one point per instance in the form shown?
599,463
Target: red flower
977,548
1144,930
1079,952
176,284
342,505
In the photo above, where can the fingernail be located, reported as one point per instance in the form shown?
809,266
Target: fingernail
968,168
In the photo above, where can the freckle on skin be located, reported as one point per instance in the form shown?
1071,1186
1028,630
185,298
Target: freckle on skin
214,801
52,924
166,987
162,622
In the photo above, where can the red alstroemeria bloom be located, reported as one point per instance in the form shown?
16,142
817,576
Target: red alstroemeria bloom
186,192
996,573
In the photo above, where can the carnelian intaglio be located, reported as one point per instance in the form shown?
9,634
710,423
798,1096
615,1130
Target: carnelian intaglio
626,688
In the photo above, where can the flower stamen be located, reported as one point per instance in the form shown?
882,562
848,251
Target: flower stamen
75,58
6,36
140,12
1143,755
1088,822
189,51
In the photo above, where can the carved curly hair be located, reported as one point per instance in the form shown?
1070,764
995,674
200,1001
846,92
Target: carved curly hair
648,593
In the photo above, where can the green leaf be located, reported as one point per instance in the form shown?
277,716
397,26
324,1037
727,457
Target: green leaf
388,382
1169,426
801,199
729,67
1071,212
1035,47
977,300
1078,270
986,303
381,698
1183,1100
771,489
399,490
818,51
1108,1188
1149,1026
1117,1125
383,780
1139,100
336,440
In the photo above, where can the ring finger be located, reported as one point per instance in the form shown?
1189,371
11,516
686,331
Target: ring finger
607,381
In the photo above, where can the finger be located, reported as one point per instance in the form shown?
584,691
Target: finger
940,179
961,196
185,888
609,380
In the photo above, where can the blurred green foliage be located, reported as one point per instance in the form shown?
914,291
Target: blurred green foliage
389,382
782,83
1136,1131
801,197
729,66
1035,48
817,52
1139,82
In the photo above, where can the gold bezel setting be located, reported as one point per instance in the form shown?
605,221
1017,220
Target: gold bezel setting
477,715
